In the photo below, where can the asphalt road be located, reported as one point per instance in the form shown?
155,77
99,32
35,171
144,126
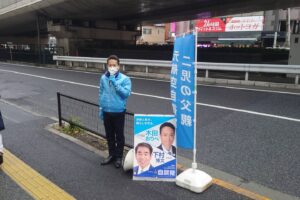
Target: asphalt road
10,190
252,134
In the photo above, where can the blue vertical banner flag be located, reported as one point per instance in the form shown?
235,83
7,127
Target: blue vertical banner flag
182,89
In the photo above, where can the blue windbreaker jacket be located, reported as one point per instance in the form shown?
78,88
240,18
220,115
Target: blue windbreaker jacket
113,98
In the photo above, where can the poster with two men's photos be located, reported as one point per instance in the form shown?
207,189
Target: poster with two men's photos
154,147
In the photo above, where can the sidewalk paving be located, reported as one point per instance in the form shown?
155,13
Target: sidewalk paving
76,169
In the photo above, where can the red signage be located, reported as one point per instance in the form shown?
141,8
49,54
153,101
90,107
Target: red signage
211,25
231,24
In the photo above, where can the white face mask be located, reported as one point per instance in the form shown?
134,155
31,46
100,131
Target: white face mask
113,70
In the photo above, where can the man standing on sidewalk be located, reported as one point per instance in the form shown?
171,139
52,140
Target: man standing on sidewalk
114,91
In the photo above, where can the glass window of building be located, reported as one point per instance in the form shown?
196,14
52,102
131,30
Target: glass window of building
147,31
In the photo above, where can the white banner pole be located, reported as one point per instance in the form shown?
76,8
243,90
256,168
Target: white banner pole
194,164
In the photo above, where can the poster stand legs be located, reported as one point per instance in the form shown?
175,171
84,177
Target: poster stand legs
194,179
128,160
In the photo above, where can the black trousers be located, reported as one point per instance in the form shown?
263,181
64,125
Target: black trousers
114,129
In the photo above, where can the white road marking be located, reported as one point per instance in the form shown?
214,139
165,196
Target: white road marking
47,78
160,97
250,112
230,87
251,89
10,119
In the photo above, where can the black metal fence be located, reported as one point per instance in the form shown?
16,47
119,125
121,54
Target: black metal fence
44,57
221,55
42,54
85,115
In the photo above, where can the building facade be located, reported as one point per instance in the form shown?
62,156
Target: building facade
152,35
276,22
243,30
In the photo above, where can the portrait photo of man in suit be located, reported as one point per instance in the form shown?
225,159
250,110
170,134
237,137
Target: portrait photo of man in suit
167,137
143,155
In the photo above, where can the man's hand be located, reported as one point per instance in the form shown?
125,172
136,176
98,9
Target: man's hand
112,79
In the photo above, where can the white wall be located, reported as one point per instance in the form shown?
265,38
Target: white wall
152,35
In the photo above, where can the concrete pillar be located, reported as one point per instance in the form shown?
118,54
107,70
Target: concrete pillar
63,43
246,76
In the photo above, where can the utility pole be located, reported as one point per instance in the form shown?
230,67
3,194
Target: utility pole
275,28
275,40
38,38
288,28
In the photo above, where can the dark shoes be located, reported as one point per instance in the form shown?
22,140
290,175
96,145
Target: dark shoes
107,160
110,159
118,162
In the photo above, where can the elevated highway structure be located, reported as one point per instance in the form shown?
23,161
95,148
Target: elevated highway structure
104,22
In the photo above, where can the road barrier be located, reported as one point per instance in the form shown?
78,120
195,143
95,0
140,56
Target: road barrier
85,115
293,70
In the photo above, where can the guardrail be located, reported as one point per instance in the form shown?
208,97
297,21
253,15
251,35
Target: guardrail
247,68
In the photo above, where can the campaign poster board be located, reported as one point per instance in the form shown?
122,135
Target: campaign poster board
154,147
